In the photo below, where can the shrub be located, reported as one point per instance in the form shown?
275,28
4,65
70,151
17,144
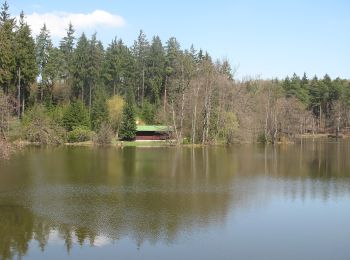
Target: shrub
229,127
79,134
56,113
39,127
148,112
104,135
186,140
99,110
128,125
76,115
262,138
5,149
115,110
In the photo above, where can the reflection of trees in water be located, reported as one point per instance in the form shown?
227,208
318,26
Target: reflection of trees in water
16,230
145,196
157,194
309,169
18,227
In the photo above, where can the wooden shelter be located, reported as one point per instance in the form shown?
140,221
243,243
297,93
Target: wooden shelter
153,132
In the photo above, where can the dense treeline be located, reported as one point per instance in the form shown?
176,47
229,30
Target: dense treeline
51,94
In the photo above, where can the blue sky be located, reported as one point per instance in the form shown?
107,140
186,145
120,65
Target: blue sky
261,38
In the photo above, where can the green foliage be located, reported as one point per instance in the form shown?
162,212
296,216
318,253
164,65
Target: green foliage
156,64
119,66
7,59
56,113
67,49
43,49
76,115
229,127
79,134
80,67
99,110
38,127
26,69
128,126
94,65
115,111
262,139
148,112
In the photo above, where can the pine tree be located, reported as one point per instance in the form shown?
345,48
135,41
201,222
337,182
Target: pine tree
67,49
95,56
113,66
26,69
172,53
118,67
43,47
7,59
80,67
155,64
4,14
76,115
140,51
52,72
128,126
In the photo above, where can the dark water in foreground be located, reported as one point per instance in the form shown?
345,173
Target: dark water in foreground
244,202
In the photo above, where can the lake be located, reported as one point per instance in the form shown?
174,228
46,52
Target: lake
241,202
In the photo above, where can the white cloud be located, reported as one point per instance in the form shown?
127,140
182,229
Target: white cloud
57,22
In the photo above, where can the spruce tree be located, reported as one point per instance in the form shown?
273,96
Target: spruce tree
67,48
80,67
26,69
118,67
7,59
95,56
99,110
128,126
155,64
113,67
43,48
76,115
140,52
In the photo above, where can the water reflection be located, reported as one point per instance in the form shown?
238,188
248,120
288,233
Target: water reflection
96,197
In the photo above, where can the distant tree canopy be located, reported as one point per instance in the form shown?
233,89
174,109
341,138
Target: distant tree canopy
81,83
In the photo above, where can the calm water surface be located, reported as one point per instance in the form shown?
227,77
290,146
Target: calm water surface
244,202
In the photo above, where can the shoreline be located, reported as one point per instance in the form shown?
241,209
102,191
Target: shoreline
145,143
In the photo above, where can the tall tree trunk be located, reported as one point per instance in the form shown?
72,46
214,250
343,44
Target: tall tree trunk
90,95
320,117
275,122
19,93
165,94
182,102
182,114
23,103
174,122
194,117
143,85
267,114
8,114
207,110
41,92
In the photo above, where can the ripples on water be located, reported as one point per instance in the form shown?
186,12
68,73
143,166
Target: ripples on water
248,202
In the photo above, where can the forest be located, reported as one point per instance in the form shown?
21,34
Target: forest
82,90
